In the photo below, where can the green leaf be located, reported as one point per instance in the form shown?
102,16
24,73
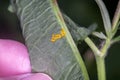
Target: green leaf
105,16
78,33
10,8
99,35
60,58
117,39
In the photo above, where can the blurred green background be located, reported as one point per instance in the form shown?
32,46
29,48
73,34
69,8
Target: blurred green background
84,13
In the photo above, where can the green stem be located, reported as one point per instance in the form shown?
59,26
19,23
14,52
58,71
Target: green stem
106,46
116,17
101,68
99,58
117,39
93,47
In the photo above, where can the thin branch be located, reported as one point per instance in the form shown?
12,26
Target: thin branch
93,47
116,16
105,16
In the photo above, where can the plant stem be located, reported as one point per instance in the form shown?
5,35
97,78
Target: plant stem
99,58
100,61
106,46
116,16
92,46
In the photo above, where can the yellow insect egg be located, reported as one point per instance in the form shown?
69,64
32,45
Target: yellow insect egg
58,36
53,38
62,32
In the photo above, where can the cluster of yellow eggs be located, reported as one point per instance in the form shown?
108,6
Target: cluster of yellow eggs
60,35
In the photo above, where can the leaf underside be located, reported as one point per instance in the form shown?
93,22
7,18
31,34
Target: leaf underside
78,33
39,23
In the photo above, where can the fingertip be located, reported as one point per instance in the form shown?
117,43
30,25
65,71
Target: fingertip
14,58
38,76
